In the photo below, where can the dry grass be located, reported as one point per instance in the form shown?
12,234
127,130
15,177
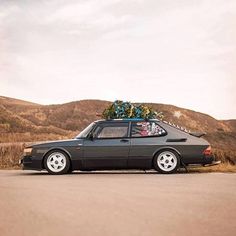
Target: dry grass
10,155
29,137
226,156
223,167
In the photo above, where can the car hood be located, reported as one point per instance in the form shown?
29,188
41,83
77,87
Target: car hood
58,143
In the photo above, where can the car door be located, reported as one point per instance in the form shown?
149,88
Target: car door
145,138
109,146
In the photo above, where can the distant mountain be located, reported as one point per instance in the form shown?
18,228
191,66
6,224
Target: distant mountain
25,121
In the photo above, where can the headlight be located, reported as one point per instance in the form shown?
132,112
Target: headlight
27,151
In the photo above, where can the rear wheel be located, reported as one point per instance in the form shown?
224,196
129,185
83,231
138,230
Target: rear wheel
167,162
57,162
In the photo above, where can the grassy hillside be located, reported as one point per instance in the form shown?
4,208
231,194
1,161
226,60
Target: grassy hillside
19,119
25,121
22,121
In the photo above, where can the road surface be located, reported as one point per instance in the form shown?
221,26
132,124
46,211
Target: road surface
116,203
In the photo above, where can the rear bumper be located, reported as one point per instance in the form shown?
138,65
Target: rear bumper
204,161
30,163
208,160
213,163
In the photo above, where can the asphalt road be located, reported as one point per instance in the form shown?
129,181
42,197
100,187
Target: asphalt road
116,203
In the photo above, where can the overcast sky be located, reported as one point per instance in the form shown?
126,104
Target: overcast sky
163,51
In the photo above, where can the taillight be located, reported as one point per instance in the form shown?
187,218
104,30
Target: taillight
207,151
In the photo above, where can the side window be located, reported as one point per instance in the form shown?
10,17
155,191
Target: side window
112,131
146,129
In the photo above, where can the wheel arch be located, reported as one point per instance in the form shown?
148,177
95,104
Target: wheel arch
56,149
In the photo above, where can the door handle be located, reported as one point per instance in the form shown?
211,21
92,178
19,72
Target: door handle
124,140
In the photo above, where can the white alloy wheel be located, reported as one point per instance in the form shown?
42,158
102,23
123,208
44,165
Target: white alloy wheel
56,162
167,161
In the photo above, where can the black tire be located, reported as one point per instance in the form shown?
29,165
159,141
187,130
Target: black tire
57,162
70,171
166,162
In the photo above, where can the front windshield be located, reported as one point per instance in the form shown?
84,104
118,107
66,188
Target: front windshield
85,132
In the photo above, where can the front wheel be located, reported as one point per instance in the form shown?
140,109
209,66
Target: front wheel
167,162
57,162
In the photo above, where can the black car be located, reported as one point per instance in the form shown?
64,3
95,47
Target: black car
121,144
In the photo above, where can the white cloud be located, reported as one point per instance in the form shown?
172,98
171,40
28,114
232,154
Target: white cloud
156,51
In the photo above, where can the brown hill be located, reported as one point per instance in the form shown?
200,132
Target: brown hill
26,121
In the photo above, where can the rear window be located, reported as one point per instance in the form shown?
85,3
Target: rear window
146,129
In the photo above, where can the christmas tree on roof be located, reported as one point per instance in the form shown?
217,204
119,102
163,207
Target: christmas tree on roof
123,110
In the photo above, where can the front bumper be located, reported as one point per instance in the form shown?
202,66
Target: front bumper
30,163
